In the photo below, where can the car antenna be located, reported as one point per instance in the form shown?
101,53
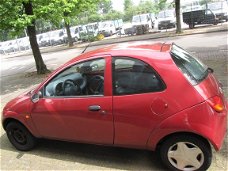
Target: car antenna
85,48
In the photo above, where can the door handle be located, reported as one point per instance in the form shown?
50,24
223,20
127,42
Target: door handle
94,108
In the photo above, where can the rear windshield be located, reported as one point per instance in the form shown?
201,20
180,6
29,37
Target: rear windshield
193,69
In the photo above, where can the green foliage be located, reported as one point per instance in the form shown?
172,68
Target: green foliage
146,6
14,19
161,5
105,6
127,5
95,18
113,15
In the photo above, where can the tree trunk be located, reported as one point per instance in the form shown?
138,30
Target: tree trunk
40,66
69,37
178,18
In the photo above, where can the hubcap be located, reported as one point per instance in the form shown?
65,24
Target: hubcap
185,156
19,136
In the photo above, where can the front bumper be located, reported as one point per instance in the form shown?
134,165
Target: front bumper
166,25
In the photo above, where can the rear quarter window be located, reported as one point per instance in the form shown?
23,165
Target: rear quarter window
192,68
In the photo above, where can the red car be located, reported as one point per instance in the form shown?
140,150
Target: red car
145,96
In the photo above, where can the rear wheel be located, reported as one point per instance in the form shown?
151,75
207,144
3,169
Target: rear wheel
183,152
20,137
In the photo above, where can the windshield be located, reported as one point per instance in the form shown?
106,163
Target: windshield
105,24
193,69
139,18
165,14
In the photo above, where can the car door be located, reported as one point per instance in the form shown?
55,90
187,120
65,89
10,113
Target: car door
209,17
138,101
76,104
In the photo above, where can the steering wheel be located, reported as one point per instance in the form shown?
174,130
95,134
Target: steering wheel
58,89
69,88
96,84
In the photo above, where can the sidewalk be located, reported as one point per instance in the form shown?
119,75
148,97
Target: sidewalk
155,35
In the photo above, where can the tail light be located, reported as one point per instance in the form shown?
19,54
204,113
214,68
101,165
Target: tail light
216,103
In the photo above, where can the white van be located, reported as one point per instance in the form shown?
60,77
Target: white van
220,9
166,19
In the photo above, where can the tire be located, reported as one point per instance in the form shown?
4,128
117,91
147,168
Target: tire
20,137
191,25
181,159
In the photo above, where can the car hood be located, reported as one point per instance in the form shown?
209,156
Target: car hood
166,19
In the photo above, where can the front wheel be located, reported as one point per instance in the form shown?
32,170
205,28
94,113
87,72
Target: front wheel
20,137
183,152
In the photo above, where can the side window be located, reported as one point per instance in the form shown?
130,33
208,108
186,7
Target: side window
82,79
132,76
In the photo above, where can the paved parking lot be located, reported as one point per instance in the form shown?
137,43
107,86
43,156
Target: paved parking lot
56,155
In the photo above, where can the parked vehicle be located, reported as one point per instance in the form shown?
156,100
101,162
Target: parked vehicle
142,23
56,37
128,29
220,9
9,46
39,38
124,95
166,19
23,43
76,32
2,47
193,18
118,24
92,28
44,40
107,28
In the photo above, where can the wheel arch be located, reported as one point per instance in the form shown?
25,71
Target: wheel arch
158,145
32,130
8,120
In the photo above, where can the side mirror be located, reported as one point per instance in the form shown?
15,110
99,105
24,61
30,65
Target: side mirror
35,97
210,70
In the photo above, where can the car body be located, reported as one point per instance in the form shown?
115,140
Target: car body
143,23
220,9
10,46
44,39
56,37
23,43
130,91
205,16
166,19
107,28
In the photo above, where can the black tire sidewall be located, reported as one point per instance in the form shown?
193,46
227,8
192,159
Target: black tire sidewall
31,141
205,148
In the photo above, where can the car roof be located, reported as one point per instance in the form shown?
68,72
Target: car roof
141,49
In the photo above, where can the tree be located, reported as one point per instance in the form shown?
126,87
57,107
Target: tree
106,6
113,15
178,19
67,9
161,5
145,7
127,5
18,15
